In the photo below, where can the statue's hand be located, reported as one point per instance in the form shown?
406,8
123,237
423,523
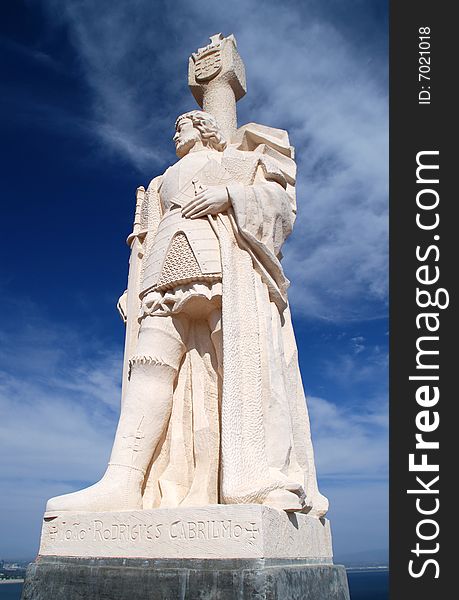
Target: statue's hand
211,201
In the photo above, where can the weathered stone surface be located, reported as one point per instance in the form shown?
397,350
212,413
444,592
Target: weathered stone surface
209,532
130,579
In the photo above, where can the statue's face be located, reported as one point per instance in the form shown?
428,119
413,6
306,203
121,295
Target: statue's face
185,137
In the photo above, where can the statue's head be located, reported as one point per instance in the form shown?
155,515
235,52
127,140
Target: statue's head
197,126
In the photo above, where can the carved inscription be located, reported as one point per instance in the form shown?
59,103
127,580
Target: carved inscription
182,530
211,530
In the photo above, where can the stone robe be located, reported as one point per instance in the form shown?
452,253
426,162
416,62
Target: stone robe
237,432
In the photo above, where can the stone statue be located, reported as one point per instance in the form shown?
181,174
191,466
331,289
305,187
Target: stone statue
213,408
211,488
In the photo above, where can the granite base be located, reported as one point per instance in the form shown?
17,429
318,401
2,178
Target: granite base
67,578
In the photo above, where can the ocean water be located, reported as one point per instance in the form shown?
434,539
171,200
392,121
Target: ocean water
10,591
369,585
364,585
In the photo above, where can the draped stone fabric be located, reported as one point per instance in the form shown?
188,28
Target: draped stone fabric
239,421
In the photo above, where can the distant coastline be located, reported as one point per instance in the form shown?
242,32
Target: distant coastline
356,568
367,568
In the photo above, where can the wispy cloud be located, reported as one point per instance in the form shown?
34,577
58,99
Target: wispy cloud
59,403
31,53
59,397
349,444
362,365
303,75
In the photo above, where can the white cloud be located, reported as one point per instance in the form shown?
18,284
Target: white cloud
349,444
358,516
59,399
359,345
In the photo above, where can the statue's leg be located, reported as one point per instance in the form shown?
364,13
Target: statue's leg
144,415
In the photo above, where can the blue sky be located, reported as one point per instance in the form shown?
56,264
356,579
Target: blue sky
89,95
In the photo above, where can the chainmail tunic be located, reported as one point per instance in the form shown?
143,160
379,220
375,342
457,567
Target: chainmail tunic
181,266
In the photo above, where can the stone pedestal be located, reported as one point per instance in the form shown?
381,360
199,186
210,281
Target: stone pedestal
208,532
59,578
222,552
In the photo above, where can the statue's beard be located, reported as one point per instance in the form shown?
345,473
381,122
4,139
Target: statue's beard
186,142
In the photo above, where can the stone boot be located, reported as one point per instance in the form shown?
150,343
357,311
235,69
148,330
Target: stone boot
144,415
119,489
